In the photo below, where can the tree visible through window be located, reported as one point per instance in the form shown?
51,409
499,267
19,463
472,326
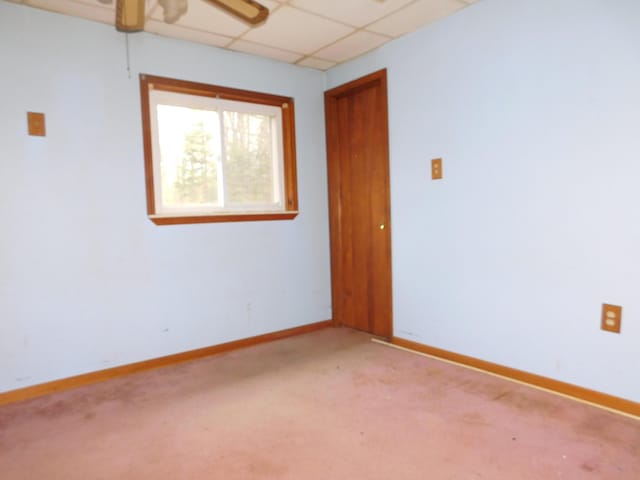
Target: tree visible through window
197,172
217,154
249,143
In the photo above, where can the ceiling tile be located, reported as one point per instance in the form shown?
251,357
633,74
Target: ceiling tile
264,51
95,11
291,29
177,31
353,12
316,63
415,16
352,46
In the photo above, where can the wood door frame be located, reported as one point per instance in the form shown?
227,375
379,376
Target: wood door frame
377,78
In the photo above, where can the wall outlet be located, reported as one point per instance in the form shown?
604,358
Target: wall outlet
611,318
436,169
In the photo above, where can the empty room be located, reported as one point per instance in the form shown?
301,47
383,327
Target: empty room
303,239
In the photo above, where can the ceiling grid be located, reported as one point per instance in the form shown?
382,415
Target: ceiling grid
310,33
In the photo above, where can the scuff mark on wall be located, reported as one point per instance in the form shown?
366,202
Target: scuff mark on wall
406,333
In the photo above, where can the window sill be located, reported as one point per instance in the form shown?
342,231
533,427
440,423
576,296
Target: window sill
229,217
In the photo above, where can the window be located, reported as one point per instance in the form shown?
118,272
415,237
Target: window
217,154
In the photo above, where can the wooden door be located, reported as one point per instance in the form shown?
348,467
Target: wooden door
358,176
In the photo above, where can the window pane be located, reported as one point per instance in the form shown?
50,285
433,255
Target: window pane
189,156
249,165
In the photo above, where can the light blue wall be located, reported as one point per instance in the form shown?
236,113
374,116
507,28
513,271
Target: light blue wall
535,108
86,280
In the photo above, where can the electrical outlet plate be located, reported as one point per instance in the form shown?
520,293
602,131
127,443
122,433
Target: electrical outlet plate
611,318
35,123
436,169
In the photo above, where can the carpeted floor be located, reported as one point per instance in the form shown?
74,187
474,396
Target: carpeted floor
326,405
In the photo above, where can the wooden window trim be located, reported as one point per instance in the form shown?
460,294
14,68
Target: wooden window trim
149,82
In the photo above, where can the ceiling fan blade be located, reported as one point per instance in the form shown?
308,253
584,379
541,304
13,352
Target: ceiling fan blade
173,9
247,10
130,15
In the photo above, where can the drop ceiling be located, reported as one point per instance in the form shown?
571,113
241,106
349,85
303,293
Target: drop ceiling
311,33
